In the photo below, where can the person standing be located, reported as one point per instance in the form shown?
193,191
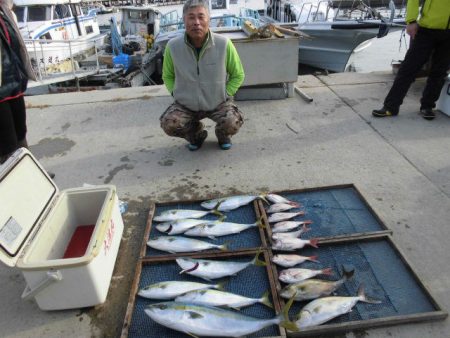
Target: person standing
202,70
15,70
429,29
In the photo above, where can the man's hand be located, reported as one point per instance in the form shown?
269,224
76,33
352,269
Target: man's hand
411,29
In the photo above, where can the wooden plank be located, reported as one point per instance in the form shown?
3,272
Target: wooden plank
131,300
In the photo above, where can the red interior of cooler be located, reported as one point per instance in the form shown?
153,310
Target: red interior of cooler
79,241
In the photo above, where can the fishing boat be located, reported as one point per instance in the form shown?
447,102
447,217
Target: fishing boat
337,28
56,30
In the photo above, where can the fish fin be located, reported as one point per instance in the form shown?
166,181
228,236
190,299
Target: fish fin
224,246
313,259
307,222
294,204
265,299
237,308
366,299
220,286
284,317
216,211
348,274
263,197
192,335
212,237
313,242
194,315
327,271
222,218
257,261
196,265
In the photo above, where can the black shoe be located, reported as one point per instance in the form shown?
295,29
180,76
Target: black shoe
384,112
198,144
427,113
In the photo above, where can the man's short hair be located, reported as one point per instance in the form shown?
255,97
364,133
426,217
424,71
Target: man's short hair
195,3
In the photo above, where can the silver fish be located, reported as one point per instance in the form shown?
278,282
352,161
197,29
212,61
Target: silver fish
293,234
179,226
175,214
212,269
274,198
219,228
231,203
279,207
288,261
295,275
324,309
171,289
200,320
174,244
313,288
283,216
222,298
290,225
291,243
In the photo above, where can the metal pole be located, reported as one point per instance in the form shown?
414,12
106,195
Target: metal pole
71,58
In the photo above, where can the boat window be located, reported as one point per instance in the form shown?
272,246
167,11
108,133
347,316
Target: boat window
62,11
135,15
39,13
20,13
218,4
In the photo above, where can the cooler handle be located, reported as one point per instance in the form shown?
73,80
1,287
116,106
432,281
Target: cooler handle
52,277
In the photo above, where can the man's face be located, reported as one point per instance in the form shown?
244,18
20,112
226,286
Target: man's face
196,21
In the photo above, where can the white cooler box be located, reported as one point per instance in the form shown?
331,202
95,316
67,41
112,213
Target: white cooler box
443,104
65,243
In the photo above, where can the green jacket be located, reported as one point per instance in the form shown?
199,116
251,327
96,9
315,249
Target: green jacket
187,60
435,14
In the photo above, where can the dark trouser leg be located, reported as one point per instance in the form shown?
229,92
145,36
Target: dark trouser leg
440,63
416,56
178,121
12,125
228,120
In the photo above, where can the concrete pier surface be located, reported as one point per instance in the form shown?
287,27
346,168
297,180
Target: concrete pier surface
400,165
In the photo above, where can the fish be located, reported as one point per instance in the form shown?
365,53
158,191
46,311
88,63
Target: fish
290,225
231,203
220,228
279,207
172,289
274,198
292,243
179,226
293,234
174,244
295,275
313,288
213,269
201,320
211,297
176,214
283,216
288,261
324,309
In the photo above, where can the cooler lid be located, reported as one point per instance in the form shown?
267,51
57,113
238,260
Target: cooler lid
26,192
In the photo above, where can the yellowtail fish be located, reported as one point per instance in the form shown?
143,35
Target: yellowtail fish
223,299
284,216
213,269
324,309
231,203
175,244
288,261
175,214
313,288
209,321
290,225
180,226
295,275
172,289
293,234
219,228
279,207
292,243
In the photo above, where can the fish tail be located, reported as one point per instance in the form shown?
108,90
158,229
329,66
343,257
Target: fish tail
313,259
284,317
327,271
224,246
260,223
263,197
257,261
363,298
265,299
220,286
305,228
294,204
348,274
307,222
313,242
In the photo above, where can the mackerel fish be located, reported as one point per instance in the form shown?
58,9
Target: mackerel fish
200,320
174,244
295,275
313,288
175,214
172,289
293,234
324,309
291,243
219,228
284,216
286,226
288,261
179,226
231,203
213,269
221,298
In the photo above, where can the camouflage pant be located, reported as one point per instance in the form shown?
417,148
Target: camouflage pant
179,121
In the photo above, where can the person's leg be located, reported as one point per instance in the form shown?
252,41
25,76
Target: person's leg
228,120
20,120
440,63
8,136
178,121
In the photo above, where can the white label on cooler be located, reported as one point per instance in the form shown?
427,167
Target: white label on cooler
10,231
